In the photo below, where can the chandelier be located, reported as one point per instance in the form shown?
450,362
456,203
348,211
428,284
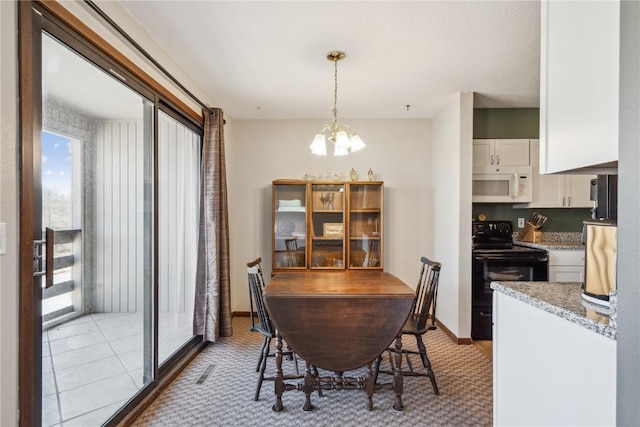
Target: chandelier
343,138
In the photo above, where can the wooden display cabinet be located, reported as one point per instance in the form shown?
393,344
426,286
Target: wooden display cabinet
328,225
289,225
365,225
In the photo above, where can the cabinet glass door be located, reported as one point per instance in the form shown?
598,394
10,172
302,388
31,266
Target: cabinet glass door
328,231
290,226
365,225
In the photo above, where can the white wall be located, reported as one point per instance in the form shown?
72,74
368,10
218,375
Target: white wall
452,169
9,216
260,151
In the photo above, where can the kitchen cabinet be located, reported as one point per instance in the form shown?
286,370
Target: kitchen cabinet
557,191
566,265
500,152
579,81
327,225
549,371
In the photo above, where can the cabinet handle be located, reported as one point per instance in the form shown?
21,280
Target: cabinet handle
563,199
491,161
569,201
483,314
497,159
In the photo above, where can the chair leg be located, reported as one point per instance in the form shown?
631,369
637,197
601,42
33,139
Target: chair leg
376,368
427,364
264,344
316,375
263,366
408,360
291,355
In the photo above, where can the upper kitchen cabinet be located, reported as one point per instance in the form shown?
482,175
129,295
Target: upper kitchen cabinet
579,81
500,152
557,191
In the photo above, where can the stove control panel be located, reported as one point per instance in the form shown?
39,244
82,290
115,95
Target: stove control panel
492,227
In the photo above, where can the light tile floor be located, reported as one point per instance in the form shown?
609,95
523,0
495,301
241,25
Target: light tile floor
92,365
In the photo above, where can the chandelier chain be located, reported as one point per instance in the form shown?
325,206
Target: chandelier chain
335,97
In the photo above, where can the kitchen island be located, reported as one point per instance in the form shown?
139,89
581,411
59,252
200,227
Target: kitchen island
554,356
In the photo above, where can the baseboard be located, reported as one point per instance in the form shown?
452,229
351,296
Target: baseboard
240,314
452,336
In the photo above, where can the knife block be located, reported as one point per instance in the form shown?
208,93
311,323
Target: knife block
531,233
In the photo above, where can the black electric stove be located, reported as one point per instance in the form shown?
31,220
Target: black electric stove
496,258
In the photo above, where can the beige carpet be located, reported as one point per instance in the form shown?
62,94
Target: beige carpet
464,377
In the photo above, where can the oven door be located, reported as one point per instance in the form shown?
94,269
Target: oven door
489,268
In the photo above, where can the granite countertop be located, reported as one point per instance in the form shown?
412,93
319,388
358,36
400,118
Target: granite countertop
554,240
563,300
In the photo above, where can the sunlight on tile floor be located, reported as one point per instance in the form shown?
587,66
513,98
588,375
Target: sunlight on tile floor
93,364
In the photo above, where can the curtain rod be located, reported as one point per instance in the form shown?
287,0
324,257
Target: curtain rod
146,54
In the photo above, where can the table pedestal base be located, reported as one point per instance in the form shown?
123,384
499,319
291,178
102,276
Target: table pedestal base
313,382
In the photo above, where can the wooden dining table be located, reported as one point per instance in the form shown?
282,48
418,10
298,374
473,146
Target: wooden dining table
338,321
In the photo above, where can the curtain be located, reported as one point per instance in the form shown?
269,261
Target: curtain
212,309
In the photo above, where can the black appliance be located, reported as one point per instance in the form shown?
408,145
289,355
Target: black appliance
496,258
604,191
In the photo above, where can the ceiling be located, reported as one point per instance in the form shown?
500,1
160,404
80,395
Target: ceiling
267,59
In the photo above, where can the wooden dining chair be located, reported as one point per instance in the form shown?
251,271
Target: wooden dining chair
422,319
260,322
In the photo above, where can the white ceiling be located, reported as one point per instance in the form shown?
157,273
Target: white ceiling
267,59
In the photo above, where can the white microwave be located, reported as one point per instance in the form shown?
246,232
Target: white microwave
508,184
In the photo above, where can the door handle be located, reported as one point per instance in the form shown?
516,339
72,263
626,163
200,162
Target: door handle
47,270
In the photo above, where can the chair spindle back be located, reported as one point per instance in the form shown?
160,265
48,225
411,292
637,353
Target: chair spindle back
256,297
424,304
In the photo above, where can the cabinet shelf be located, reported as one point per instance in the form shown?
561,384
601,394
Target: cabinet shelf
338,220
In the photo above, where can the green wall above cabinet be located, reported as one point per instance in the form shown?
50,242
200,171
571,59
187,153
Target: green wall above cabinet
506,123
560,219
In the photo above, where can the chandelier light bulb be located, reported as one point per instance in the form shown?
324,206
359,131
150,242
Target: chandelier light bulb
319,145
356,143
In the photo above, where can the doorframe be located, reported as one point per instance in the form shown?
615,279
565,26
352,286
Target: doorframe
30,120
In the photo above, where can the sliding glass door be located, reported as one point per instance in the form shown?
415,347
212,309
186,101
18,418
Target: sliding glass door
178,213
97,188
118,180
